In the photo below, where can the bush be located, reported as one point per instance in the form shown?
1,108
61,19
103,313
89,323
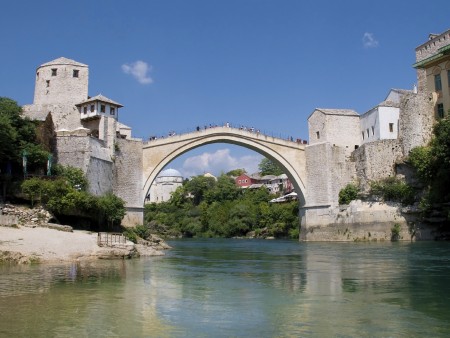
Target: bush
348,193
393,189
395,232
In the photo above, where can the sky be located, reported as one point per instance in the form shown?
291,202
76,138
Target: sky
178,64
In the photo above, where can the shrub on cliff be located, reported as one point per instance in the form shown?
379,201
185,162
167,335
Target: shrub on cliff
348,193
393,189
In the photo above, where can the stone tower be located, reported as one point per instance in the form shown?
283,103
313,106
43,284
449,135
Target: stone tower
61,81
60,85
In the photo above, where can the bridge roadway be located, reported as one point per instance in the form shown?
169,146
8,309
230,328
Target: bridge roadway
289,155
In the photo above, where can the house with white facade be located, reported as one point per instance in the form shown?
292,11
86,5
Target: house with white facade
381,122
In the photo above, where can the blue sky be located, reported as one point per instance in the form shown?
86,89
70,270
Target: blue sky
176,64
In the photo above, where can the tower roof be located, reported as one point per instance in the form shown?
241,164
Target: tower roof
100,98
63,61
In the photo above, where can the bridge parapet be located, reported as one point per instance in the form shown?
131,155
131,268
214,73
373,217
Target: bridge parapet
239,132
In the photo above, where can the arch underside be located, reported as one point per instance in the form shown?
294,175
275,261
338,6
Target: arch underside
170,151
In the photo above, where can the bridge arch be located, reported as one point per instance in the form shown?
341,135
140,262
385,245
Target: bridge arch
287,154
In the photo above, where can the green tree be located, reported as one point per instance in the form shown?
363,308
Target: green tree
268,167
198,186
18,134
74,176
224,190
235,172
432,164
111,208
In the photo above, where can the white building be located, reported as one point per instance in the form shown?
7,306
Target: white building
381,122
167,182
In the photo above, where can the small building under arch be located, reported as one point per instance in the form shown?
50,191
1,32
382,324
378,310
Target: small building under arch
165,183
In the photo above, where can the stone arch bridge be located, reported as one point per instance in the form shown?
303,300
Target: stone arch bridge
287,154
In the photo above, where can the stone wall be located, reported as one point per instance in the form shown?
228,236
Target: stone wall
328,170
376,160
128,179
365,221
100,176
73,151
64,116
416,121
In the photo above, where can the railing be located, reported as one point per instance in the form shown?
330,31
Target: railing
228,125
110,239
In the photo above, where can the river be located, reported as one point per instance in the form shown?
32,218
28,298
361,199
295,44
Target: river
237,288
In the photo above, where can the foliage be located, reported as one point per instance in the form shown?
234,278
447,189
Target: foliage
421,159
432,164
224,210
33,189
61,198
236,172
198,186
348,193
393,189
395,232
268,167
18,134
111,208
74,176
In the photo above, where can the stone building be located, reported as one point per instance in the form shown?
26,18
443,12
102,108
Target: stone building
88,134
433,70
339,127
387,133
164,185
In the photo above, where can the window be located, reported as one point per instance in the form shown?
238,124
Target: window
112,111
54,71
85,110
37,75
48,83
102,108
437,82
75,72
318,134
373,130
440,110
367,131
362,135
391,127
92,108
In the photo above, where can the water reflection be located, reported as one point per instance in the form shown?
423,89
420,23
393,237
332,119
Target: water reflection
237,288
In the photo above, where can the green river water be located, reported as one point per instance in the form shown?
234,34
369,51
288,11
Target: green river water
237,288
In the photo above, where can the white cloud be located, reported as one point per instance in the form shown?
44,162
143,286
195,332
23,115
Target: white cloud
369,40
220,161
139,70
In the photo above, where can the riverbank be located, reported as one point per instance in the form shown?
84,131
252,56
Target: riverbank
25,245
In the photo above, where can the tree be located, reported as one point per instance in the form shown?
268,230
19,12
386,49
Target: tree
198,186
18,134
236,172
74,176
112,208
432,164
268,167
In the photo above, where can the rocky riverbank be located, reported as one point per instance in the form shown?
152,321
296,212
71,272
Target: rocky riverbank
26,236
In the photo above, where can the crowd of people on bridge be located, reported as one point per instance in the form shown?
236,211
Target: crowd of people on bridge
228,125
